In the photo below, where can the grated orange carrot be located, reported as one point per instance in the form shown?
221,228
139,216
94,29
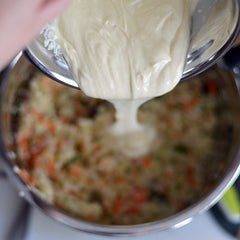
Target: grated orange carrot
122,180
134,209
48,124
51,168
147,162
169,123
36,114
73,193
75,171
23,142
117,205
189,104
90,216
60,143
139,195
212,87
27,178
98,148
45,122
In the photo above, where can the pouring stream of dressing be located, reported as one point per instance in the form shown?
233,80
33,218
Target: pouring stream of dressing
127,134
126,51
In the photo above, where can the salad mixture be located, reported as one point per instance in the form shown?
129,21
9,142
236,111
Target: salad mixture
67,158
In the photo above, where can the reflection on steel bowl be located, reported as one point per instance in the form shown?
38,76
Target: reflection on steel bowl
62,153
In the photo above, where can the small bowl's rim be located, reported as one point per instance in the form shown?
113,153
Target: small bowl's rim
174,221
216,56
219,54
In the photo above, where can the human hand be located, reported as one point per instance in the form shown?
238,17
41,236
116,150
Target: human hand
21,21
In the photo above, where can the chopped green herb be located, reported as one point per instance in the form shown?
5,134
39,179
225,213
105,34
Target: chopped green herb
155,195
85,102
178,186
181,148
72,160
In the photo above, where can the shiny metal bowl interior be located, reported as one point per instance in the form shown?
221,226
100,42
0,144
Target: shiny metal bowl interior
8,87
204,54
201,55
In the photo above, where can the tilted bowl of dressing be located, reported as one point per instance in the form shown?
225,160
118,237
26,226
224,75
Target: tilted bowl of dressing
57,160
204,48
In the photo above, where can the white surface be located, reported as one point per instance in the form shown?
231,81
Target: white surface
9,205
43,228
203,227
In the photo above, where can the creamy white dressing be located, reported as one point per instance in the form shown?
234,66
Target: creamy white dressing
126,51
131,137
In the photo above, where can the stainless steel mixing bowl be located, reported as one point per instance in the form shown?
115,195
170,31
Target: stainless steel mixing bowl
206,47
11,79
